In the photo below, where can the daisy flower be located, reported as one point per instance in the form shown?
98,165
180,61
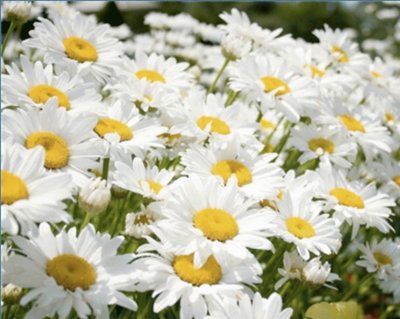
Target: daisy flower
206,218
301,222
258,308
65,138
293,266
383,257
322,141
70,271
147,181
123,127
344,53
35,84
317,273
155,68
256,176
28,194
175,278
270,80
353,201
78,43
137,224
363,127
208,116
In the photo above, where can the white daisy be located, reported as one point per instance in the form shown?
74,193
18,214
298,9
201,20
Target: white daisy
147,181
123,127
78,43
35,84
174,278
353,201
317,142
207,116
258,308
70,271
28,194
157,69
301,222
255,174
137,224
206,218
270,80
382,257
65,138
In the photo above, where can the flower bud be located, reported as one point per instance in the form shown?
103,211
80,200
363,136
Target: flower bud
17,11
234,47
11,294
317,273
95,196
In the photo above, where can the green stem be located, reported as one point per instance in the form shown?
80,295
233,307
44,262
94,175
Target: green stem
212,87
7,37
106,164
231,98
355,288
85,221
273,132
7,311
284,139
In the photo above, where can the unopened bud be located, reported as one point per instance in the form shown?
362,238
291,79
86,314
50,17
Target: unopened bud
95,196
234,47
17,11
11,294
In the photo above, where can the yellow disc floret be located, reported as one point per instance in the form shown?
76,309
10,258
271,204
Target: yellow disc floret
227,168
266,124
216,224
382,259
71,272
343,57
42,92
272,83
300,227
351,123
326,145
210,273
56,148
106,126
216,125
150,75
396,179
154,186
13,188
80,49
348,198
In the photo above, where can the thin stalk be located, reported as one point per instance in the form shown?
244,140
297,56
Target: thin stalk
7,37
85,221
212,87
231,98
106,164
355,288
273,132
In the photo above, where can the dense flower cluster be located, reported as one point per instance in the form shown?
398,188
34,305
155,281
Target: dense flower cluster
208,171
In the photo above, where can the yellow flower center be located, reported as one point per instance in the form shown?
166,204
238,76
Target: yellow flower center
389,117
150,75
396,179
227,168
216,224
300,227
80,49
143,219
210,273
56,148
315,71
154,186
266,125
351,123
106,126
42,92
170,138
375,74
347,197
13,188
343,57
382,259
272,83
217,125
326,145
71,272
